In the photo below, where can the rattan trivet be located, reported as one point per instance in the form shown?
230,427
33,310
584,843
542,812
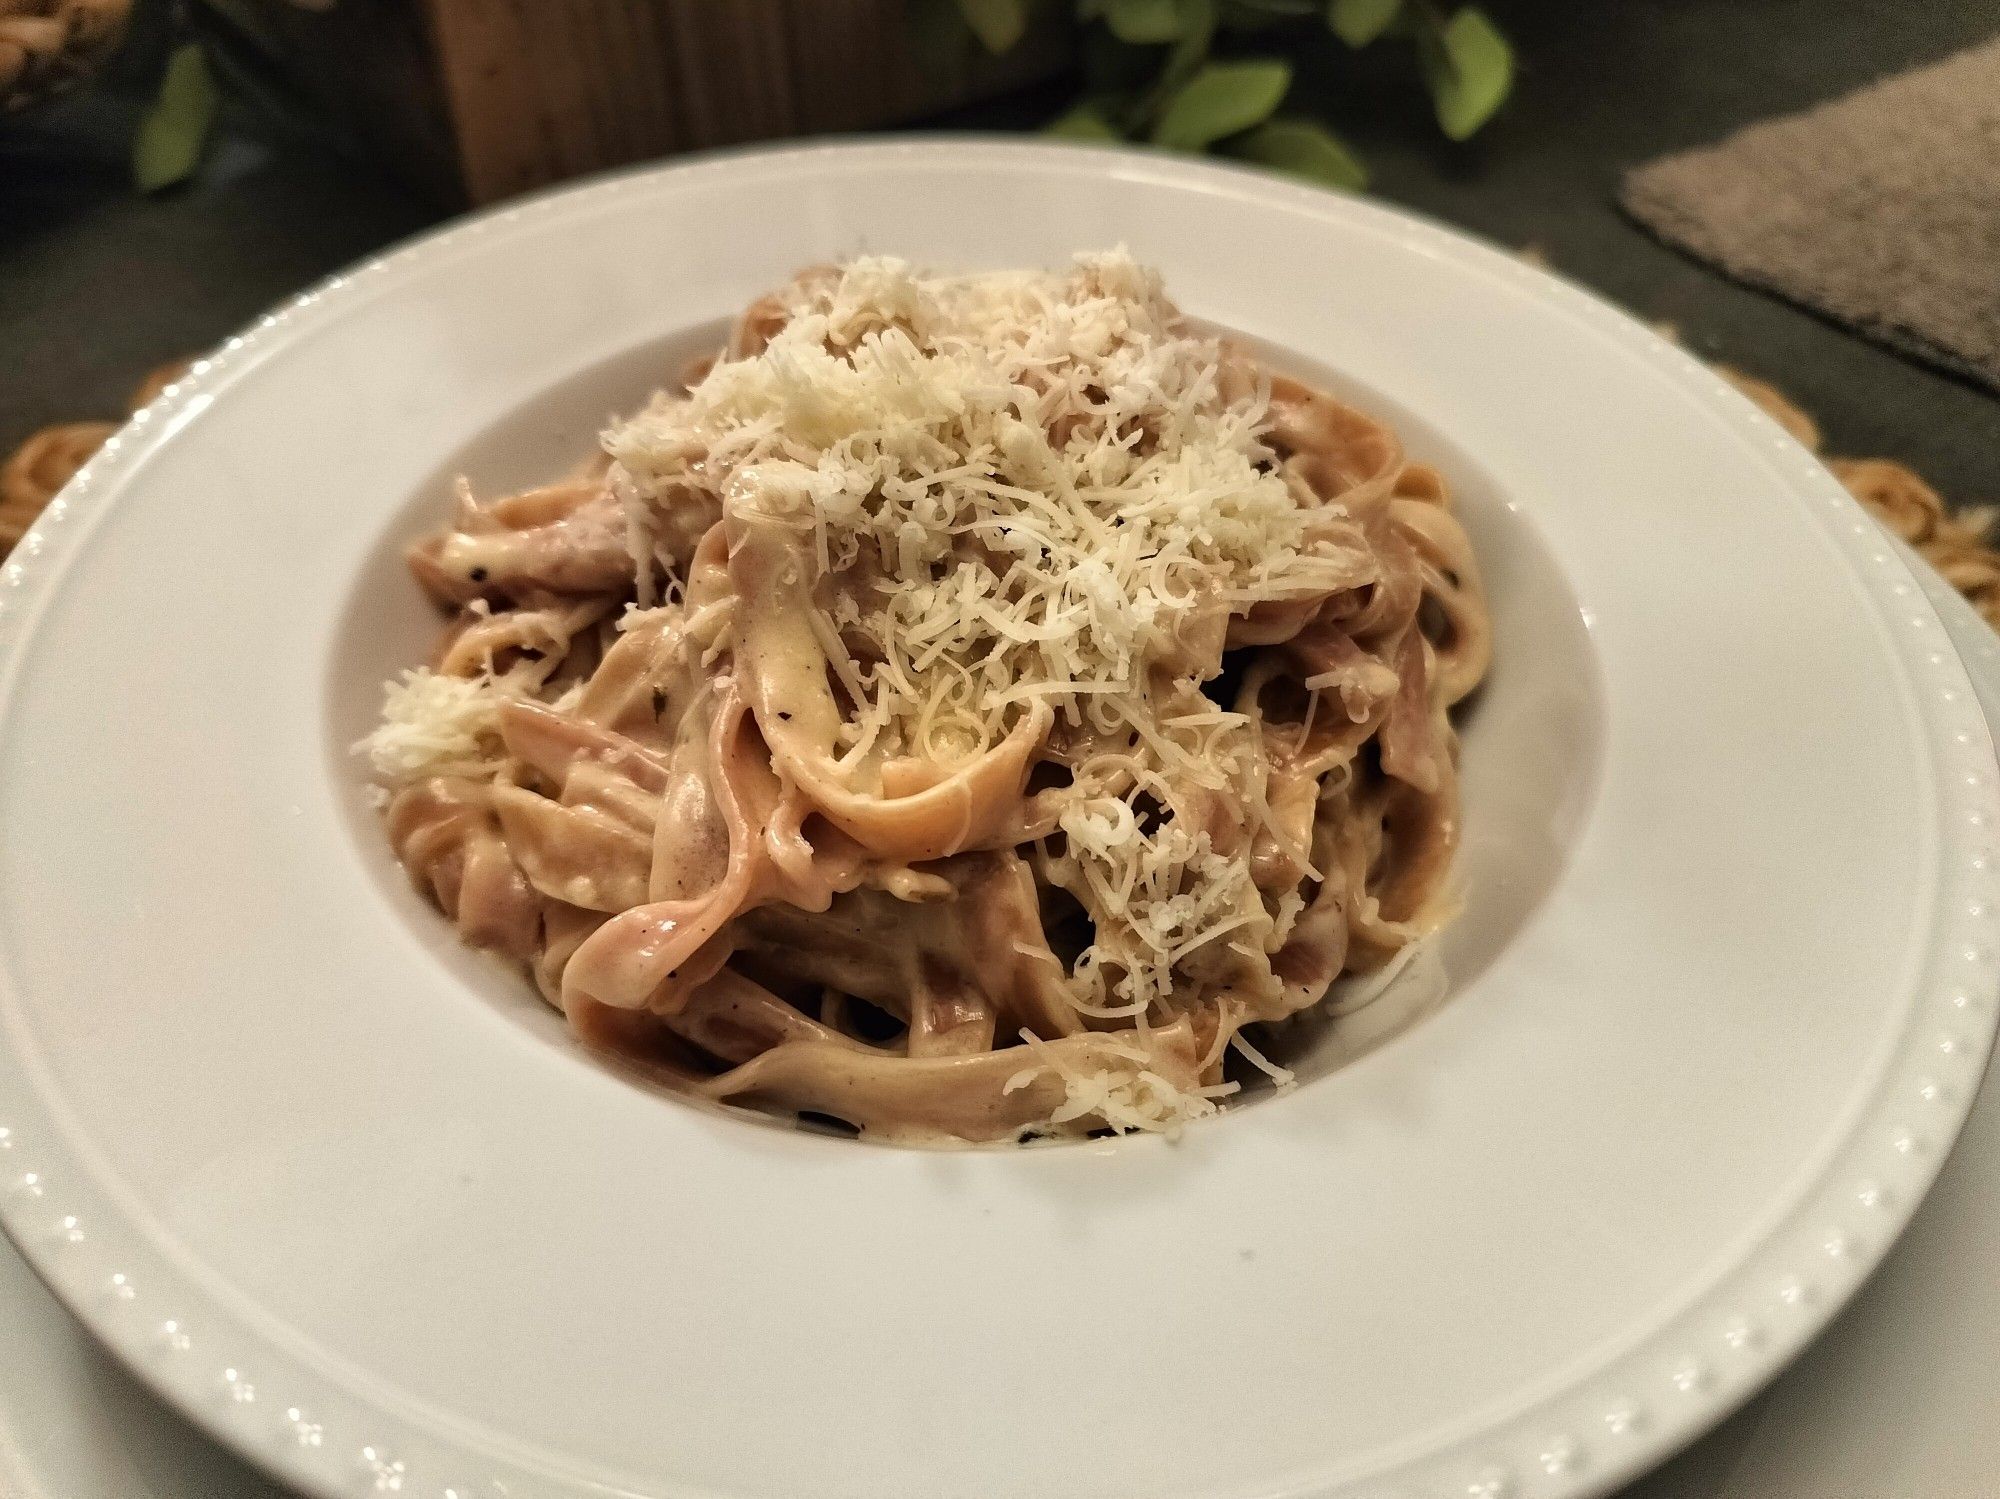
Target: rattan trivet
1957,545
50,458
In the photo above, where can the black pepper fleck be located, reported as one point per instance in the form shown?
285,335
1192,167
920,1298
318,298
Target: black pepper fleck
478,575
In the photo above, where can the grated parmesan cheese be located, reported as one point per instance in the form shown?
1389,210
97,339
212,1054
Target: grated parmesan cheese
1026,490
1031,478
1129,1099
433,723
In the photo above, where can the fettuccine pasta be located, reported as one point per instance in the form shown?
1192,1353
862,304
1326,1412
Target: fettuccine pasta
970,708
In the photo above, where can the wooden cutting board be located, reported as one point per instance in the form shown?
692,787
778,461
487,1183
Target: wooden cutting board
481,99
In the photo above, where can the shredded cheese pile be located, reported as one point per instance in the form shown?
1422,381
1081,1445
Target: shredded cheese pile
1130,1096
949,660
1025,484
1024,488
432,724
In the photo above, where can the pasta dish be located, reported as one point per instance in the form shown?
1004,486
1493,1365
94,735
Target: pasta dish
965,707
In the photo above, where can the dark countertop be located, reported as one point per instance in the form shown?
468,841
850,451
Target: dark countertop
97,284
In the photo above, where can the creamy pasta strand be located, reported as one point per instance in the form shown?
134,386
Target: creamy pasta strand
965,708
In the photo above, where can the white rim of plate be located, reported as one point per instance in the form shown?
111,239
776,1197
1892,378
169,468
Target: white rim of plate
1570,1441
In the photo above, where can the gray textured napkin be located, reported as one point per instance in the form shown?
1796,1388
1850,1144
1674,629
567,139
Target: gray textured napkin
1881,209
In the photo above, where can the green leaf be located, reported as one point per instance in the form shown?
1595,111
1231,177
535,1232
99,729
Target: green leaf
1359,22
1143,23
997,23
1087,121
1222,99
1469,67
1304,148
1191,51
170,138
1183,59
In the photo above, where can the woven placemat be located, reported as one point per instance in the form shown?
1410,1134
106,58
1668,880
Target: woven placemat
1958,544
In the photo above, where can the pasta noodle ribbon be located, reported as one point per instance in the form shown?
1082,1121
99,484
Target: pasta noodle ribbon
963,708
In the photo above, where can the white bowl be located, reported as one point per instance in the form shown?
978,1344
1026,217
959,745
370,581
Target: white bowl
347,1196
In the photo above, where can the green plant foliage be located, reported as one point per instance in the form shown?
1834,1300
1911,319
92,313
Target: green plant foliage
1143,22
1359,22
1221,99
999,24
1198,23
1305,148
170,139
1171,71
1087,121
1469,67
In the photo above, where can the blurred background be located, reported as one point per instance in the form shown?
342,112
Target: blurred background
171,168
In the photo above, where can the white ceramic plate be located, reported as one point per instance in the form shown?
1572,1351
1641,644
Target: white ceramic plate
349,1198
1892,1402
1892,1393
